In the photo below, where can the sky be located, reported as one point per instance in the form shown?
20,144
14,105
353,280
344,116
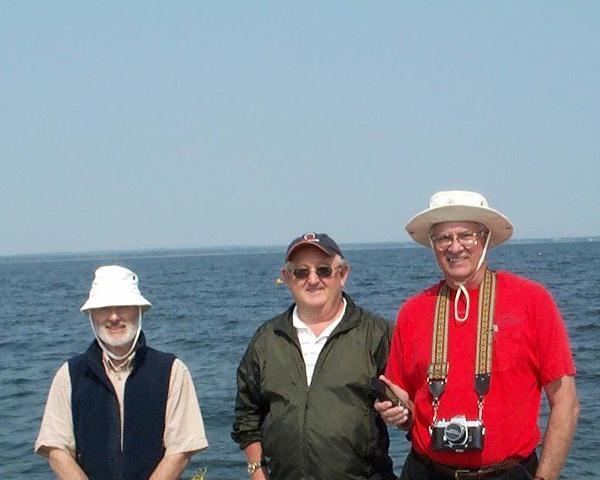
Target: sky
137,125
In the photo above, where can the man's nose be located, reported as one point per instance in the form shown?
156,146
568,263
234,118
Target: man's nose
312,276
455,246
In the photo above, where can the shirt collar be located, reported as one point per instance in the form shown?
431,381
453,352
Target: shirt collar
299,324
109,364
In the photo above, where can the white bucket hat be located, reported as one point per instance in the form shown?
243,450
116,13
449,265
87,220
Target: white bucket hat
115,286
459,206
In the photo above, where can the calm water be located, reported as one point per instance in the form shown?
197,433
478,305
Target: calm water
206,307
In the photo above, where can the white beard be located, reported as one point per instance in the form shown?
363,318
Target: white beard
122,340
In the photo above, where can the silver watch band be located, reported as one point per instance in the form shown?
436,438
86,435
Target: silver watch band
254,466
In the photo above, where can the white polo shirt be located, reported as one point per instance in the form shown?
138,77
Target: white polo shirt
310,344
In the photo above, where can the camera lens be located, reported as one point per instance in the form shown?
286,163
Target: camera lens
455,433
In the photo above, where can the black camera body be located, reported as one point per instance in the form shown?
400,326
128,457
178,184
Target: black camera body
458,434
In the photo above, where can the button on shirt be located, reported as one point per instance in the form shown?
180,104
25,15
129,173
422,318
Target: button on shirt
310,344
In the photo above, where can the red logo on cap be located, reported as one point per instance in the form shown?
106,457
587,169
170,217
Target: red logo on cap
311,237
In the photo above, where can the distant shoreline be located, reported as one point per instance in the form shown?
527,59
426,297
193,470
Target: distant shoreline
234,250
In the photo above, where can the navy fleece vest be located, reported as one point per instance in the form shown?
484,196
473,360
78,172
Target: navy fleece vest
96,417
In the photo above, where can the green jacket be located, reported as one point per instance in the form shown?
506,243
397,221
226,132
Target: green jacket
328,430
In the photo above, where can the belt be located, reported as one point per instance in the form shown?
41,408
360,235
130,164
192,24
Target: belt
458,473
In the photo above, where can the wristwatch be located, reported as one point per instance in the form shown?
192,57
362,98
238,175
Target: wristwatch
254,466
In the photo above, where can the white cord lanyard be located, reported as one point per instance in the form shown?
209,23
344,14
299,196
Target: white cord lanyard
461,290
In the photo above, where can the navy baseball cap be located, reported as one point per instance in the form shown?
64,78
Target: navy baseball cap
319,240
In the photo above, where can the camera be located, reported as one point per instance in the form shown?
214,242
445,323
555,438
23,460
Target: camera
457,434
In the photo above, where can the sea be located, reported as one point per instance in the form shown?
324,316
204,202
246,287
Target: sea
207,303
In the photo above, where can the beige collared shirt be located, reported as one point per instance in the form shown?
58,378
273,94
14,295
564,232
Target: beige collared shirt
184,428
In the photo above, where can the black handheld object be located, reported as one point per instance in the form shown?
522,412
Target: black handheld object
384,393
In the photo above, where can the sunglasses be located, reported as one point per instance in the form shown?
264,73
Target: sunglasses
322,271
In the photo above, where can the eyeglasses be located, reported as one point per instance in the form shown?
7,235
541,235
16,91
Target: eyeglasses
465,239
322,271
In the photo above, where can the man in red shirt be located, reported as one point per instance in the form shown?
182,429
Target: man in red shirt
471,355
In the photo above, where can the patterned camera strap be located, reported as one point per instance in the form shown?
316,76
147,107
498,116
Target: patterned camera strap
438,368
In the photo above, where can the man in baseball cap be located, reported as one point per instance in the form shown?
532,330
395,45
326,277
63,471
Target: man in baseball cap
121,409
303,407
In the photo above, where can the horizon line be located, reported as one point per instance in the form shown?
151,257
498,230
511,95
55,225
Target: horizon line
220,249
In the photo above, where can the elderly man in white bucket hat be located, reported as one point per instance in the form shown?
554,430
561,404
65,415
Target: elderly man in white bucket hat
471,355
121,409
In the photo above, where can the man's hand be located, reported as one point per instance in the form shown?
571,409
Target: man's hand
171,466
395,415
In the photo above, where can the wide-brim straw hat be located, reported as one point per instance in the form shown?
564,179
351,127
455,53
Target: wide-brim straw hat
115,286
459,206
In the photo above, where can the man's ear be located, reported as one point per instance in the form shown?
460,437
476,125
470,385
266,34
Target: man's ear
284,275
344,275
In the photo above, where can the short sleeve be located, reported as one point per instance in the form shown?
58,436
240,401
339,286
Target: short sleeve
184,427
56,430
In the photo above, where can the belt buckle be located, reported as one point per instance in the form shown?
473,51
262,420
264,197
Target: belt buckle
458,474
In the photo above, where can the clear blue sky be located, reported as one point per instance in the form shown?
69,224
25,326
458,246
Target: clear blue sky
129,125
